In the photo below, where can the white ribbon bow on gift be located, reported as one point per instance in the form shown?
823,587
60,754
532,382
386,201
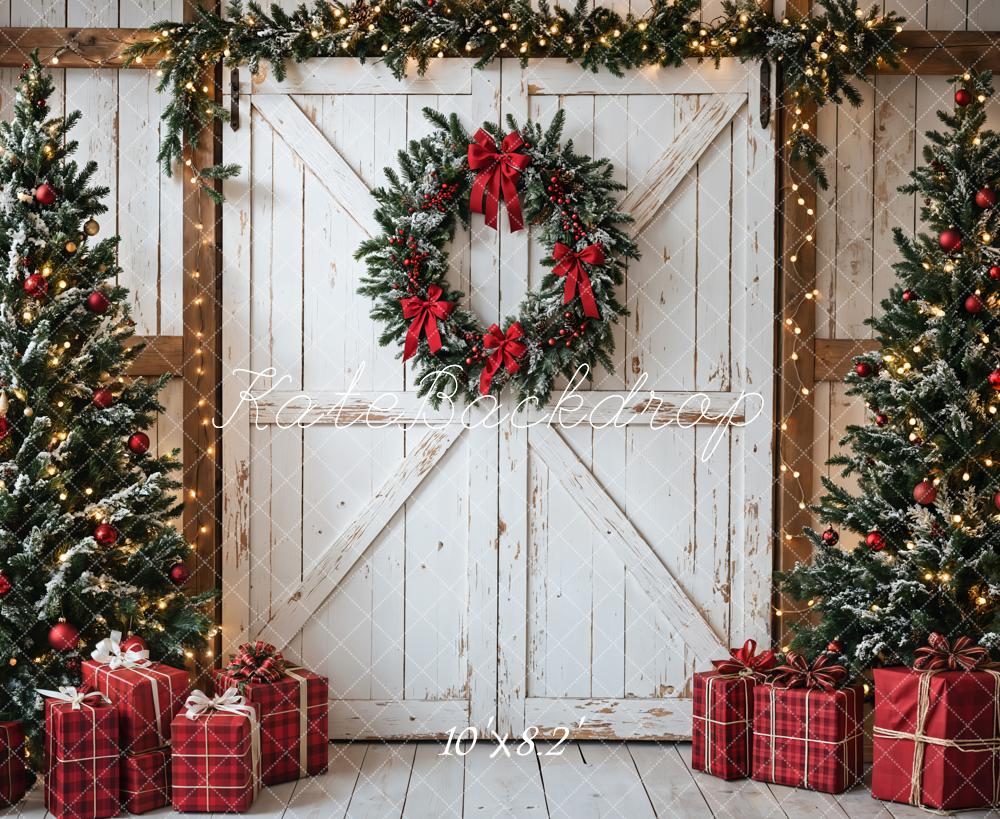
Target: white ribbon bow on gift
109,652
68,693
229,701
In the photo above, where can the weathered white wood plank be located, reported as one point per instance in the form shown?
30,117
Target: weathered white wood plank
805,802
330,569
606,718
668,781
591,781
505,788
395,719
653,578
555,76
327,796
381,787
320,157
676,162
437,784
741,797
334,75
859,804
236,340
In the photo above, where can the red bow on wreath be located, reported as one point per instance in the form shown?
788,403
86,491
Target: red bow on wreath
745,661
498,172
256,662
506,350
569,263
940,654
425,314
798,673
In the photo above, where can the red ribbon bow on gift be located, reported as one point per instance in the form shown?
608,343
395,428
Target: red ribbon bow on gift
498,172
798,673
507,349
940,654
256,662
569,263
745,661
425,314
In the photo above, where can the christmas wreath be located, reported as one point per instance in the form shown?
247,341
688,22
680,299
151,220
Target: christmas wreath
569,200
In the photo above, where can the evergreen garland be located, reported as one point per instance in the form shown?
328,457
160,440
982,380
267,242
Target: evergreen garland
67,461
927,462
820,55
566,197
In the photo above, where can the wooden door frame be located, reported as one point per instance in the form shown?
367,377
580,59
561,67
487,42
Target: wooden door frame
819,359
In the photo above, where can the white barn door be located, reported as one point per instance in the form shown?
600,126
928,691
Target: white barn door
451,576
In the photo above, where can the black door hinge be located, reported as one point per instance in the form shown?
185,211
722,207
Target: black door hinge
234,101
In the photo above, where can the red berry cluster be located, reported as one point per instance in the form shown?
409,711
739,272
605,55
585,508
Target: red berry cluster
567,333
412,260
440,199
559,196
476,353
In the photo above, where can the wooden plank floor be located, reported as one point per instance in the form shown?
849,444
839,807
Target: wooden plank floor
588,780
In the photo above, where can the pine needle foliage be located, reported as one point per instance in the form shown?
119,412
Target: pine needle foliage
932,417
65,463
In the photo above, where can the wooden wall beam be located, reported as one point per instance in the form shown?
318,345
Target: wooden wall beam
832,356
163,354
202,371
946,52
797,277
71,47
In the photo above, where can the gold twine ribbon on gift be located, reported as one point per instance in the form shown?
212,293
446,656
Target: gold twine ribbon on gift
921,740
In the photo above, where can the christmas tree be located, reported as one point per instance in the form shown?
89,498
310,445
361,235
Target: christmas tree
86,542
926,530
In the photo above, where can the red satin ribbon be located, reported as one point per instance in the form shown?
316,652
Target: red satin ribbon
798,673
498,172
425,314
570,265
507,349
746,661
940,654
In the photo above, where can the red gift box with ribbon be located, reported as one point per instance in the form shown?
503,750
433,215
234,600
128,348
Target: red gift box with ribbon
937,728
807,732
146,694
215,755
81,754
12,774
723,711
294,707
145,780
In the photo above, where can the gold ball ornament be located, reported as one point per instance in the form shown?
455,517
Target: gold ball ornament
28,412
91,226
12,661
71,247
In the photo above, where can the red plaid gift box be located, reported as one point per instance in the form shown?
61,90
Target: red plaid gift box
294,732
936,737
81,755
145,780
723,712
215,758
147,695
12,778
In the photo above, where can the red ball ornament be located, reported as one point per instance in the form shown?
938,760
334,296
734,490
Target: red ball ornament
179,574
925,493
134,643
863,368
103,398
834,647
97,302
36,285
996,500
995,272
909,295
974,304
138,442
4,427
45,194
64,636
875,541
986,198
963,97
881,419
831,536
106,534
5,585
950,240
994,379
